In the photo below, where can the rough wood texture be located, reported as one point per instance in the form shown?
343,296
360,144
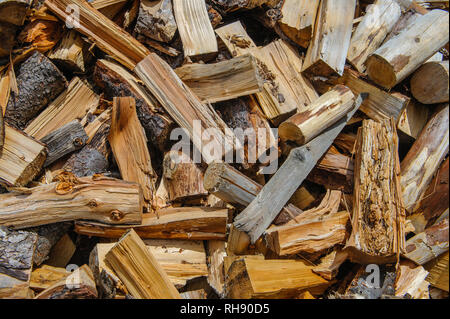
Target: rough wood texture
256,278
139,270
97,198
70,105
268,203
378,217
183,178
235,38
71,52
34,74
117,81
172,223
379,105
222,81
79,284
215,259
329,265
16,253
102,31
2,131
12,16
429,244
298,20
402,55
413,119
65,140
379,20
424,158
234,5
429,85
129,146
438,272
317,116
410,281
156,20
61,252
46,276
182,104
328,49
195,29
21,158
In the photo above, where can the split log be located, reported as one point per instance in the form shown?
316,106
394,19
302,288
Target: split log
101,30
424,158
410,281
183,178
435,200
41,34
97,198
70,105
428,244
255,278
318,116
46,276
156,20
138,269
65,140
91,128
222,81
117,81
129,145
33,74
196,32
329,265
378,218
235,38
328,49
215,260
379,20
12,16
78,285
21,158
298,19
438,272
402,55
268,203
183,106
61,252
430,82
234,5
379,105
109,8
412,120
309,237
17,253
71,53
173,223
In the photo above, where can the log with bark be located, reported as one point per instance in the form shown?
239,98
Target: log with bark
402,55
429,84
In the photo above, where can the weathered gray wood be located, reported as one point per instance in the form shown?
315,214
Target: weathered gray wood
65,140
255,219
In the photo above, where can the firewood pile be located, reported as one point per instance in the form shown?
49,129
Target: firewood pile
224,149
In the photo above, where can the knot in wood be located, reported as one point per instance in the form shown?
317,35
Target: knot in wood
78,142
92,203
116,215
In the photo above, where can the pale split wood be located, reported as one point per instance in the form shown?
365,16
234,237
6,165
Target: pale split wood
438,272
410,281
235,38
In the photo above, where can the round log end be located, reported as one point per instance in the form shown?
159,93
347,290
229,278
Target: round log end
211,178
429,85
381,71
290,132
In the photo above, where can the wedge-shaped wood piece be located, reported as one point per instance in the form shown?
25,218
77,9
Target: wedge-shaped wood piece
21,158
33,74
109,8
183,105
428,244
216,254
102,31
182,177
129,146
103,199
195,28
402,55
438,272
379,20
46,276
258,216
410,281
117,81
317,116
329,265
258,278
79,284
412,120
77,100
193,223
424,158
65,140
429,84
378,217
71,52
298,19
61,252
379,105
156,20
328,49
222,81
139,270
235,38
